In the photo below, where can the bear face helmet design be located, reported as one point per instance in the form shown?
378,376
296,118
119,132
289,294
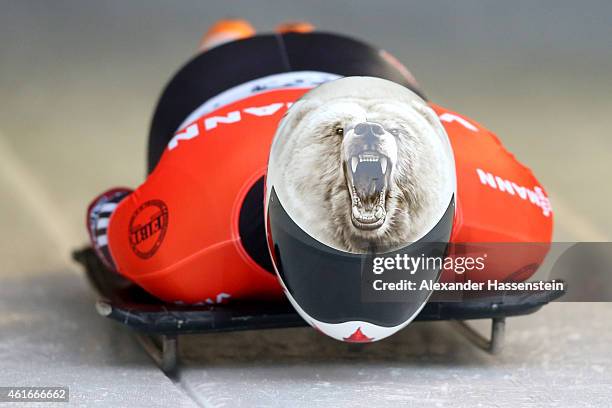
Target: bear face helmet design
361,179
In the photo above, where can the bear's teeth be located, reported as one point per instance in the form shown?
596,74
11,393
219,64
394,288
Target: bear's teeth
383,165
368,158
354,162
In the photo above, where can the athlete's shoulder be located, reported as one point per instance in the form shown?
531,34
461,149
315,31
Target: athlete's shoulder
455,123
466,132
485,165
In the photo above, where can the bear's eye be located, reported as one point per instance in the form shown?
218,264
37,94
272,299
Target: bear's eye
339,131
394,132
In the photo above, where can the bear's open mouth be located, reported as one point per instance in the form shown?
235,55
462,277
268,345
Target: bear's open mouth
367,179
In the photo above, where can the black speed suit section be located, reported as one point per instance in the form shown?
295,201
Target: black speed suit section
212,72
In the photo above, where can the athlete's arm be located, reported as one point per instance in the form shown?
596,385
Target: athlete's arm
502,208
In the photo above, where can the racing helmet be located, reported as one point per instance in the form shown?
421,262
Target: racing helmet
359,206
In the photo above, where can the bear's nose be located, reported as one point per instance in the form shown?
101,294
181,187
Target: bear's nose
369,129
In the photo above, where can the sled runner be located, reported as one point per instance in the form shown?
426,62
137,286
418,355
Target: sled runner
158,326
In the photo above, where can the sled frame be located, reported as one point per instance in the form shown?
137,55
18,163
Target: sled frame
158,326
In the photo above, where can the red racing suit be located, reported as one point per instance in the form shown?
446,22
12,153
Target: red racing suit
177,234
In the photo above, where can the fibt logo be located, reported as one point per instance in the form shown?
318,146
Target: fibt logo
535,196
148,227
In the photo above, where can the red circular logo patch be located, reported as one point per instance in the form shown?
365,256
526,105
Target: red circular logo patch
148,227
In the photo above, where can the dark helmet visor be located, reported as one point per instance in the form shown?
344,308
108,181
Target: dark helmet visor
333,286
